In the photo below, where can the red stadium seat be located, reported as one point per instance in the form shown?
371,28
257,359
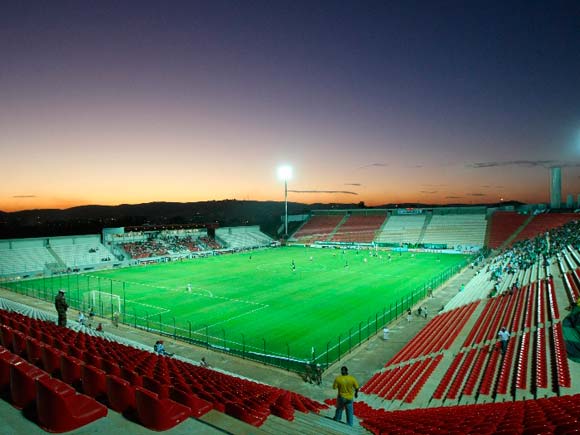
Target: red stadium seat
94,381
22,383
159,388
6,359
132,377
18,343
60,409
93,360
239,411
198,406
159,414
33,350
70,370
50,358
120,394
6,333
110,367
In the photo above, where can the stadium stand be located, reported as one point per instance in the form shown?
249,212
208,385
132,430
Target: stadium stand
24,256
237,238
52,255
209,244
535,364
148,249
555,415
359,228
459,231
544,222
453,361
503,225
317,228
80,251
154,243
165,389
402,229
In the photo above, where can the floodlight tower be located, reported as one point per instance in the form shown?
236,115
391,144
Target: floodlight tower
285,174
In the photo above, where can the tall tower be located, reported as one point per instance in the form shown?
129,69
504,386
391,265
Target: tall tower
555,188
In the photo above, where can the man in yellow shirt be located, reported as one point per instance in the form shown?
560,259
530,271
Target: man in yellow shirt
347,387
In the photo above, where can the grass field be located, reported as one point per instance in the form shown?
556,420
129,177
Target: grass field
253,302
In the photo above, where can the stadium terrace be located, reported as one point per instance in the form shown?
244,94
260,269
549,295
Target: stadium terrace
267,313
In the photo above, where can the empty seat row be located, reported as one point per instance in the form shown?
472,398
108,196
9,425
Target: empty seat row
86,362
436,336
556,415
56,406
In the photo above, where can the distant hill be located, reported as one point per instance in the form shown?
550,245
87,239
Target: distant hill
91,219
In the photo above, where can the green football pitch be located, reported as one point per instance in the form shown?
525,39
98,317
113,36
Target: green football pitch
256,303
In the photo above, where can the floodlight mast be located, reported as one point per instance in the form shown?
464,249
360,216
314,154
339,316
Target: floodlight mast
285,173
286,209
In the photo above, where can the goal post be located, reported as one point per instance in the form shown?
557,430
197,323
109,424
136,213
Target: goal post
105,304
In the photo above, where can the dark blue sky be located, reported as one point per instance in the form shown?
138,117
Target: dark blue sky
372,101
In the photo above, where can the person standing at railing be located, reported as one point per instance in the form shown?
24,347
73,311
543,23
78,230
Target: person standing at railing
318,375
61,307
91,316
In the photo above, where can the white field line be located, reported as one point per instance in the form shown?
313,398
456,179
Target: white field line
207,294
161,310
232,318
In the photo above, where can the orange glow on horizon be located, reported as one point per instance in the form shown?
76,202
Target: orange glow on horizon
32,203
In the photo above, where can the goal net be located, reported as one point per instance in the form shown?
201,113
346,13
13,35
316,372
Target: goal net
102,302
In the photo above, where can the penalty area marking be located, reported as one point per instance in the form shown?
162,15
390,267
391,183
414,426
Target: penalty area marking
206,294
161,310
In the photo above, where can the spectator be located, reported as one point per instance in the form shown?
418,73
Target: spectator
318,374
100,327
91,316
504,337
347,387
203,362
386,333
307,373
159,347
409,315
81,318
61,307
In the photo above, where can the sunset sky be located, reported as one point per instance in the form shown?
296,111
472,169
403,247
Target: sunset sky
109,102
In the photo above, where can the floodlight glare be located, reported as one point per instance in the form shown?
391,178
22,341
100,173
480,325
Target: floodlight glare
285,172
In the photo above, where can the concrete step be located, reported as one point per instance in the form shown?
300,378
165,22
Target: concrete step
230,425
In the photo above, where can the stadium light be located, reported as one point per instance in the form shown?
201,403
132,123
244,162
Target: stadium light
285,174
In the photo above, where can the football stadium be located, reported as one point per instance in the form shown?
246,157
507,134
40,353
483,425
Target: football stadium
290,217
411,300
